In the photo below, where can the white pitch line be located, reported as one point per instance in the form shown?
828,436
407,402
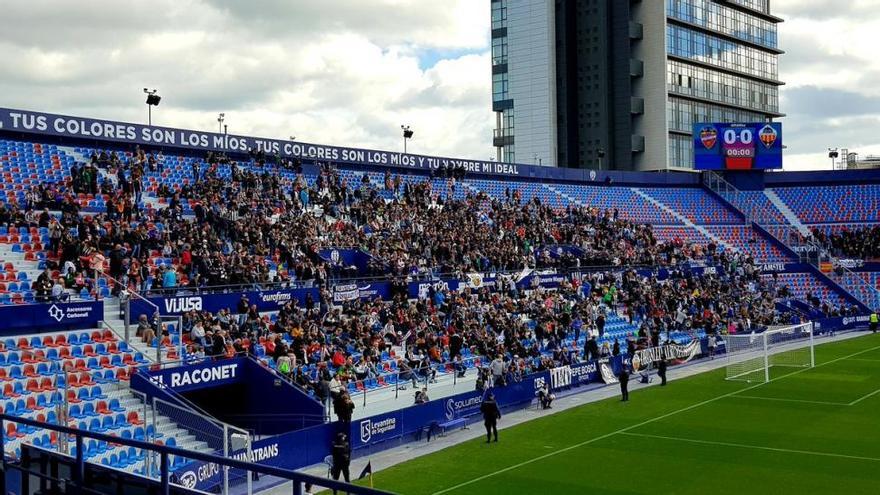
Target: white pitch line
866,360
755,447
864,397
792,400
643,423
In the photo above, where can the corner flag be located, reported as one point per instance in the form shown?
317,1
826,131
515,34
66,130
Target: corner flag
368,471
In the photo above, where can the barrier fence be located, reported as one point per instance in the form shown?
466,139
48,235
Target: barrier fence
63,473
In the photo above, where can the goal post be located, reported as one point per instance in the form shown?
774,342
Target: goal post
750,356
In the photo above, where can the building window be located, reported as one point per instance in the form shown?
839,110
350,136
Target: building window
711,50
508,154
718,17
689,80
759,5
500,87
683,114
499,50
507,122
499,14
681,152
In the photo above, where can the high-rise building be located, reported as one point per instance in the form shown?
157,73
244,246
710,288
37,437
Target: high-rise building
618,83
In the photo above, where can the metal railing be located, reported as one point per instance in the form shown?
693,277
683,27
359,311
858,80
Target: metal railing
386,381
217,435
125,297
426,276
161,481
760,214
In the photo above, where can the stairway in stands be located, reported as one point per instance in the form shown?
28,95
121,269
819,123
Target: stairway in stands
762,210
82,155
113,318
787,212
89,373
688,223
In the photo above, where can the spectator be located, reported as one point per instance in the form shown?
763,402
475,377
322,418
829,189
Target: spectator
496,368
169,279
545,397
243,308
343,406
58,293
43,285
144,330
405,373
197,333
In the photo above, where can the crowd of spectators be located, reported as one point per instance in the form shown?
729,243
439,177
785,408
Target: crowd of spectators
861,243
255,225
512,331
266,223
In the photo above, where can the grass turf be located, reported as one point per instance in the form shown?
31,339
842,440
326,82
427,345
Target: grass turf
807,431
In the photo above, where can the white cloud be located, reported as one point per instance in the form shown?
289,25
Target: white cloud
830,57
341,72
349,72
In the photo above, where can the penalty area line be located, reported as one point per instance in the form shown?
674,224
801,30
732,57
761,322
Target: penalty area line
779,399
754,447
864,397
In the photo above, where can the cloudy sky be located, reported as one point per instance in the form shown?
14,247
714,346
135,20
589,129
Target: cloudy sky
350,72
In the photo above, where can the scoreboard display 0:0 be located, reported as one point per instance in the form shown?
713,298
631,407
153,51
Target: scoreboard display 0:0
754,146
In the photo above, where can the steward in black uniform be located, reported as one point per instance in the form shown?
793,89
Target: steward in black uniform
341,457
624,384
491,415
661,371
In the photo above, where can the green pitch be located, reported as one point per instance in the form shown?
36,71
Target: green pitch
807,431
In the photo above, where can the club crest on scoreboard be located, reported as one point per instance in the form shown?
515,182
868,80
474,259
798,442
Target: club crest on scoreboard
768,136
709,136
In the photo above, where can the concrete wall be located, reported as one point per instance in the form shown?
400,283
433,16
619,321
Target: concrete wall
652,86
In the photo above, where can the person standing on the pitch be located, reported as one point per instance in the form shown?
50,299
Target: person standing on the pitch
491,415
623,377
874,321
661,372
341,457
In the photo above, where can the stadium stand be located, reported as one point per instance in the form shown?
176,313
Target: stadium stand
84,222
93,367
746,239
857,203
866,288
697,205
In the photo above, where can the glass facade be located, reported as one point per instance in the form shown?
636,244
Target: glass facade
712,50
717,17
499,14
499,50
508,154
507,124
759,5
501,80
500,85
688,80
681,151
739,83
507,129
682,114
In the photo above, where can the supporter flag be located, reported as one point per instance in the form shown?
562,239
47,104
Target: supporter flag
368,471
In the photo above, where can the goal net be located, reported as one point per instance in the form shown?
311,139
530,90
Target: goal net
750,356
